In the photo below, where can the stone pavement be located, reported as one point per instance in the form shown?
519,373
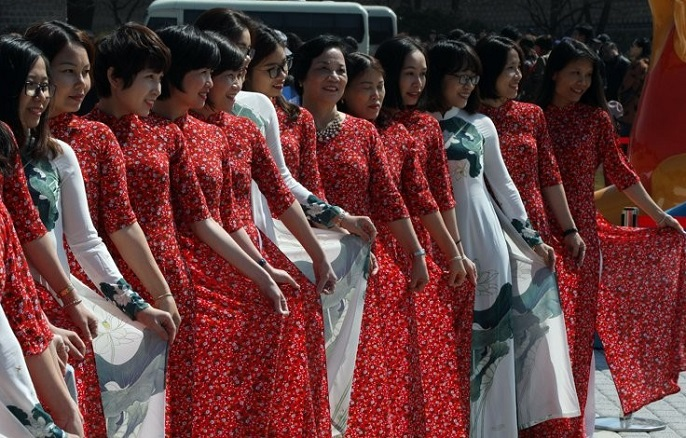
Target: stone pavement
670,410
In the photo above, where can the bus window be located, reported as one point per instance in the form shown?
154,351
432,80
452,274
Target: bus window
380,29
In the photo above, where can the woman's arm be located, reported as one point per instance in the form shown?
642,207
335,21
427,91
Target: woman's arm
556,199
212,234
404,233
278,275
133,247
638,195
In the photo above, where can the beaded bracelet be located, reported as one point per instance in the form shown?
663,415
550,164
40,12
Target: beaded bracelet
75,302
262,262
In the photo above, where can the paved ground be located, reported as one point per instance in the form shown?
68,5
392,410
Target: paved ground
670,410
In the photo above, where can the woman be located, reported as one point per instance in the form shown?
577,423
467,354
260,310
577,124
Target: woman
267,74
164,192
70,53
273,355
238,28
56,186
26,319
431,312
583,138
356,176
509,320
523,136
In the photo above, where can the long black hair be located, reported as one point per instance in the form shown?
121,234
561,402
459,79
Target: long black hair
493,51
17,57
566,51
392,54
53,36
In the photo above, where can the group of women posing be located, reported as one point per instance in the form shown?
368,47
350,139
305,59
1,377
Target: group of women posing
484,280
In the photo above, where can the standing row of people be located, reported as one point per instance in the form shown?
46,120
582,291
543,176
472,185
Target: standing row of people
459,191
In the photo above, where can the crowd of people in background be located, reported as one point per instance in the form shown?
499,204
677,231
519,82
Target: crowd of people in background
464,165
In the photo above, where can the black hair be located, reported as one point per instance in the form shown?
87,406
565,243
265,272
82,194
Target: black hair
302,59
447,57
53,36
227,22
266,41
392,54
493,52
585,30
231,56
356,64
566,51
644,44
510,32
130,49
17,57
190,50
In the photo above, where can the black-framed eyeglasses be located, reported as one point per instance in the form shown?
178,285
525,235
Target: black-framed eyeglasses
466,79
249,52
278,69
31,89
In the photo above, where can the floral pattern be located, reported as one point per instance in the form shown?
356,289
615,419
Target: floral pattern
433,312
162,187
38,422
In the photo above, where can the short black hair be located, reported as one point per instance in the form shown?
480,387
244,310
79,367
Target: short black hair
302,59
128,50
190,50
392,54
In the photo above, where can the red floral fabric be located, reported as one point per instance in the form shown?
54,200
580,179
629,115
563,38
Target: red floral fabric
162,187
17,292
299,147
356,176
583,138
278,369
432,312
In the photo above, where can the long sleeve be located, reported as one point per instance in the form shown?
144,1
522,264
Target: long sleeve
501,184
615,165
83,239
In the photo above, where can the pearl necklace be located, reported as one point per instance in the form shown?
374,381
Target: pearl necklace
331,130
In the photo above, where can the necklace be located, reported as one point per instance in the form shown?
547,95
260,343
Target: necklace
331,129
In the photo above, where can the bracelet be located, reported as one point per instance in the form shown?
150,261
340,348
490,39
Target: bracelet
419,253
458,257
168,294
75,302
569,232
262,262
458,241
664,218
66,291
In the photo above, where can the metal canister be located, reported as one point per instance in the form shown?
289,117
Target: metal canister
630,217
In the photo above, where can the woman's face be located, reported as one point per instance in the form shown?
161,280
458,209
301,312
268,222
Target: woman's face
364,94
457,87
326,79
140,96
71,76
226,86
196,87
572,82
245,43
507,83
268,77
412,78
31,108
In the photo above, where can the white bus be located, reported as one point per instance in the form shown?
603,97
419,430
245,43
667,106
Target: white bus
383,24
305,19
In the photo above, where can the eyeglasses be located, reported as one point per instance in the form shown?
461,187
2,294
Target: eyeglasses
278,69
249,52
31,89
465,79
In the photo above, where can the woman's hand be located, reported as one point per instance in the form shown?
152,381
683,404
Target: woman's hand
159,321
373,264
668,221
456,272
576,247
83,319
419,276
69,342
167,303
470,267
324,276
547,254
360,226
272,292
280,276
